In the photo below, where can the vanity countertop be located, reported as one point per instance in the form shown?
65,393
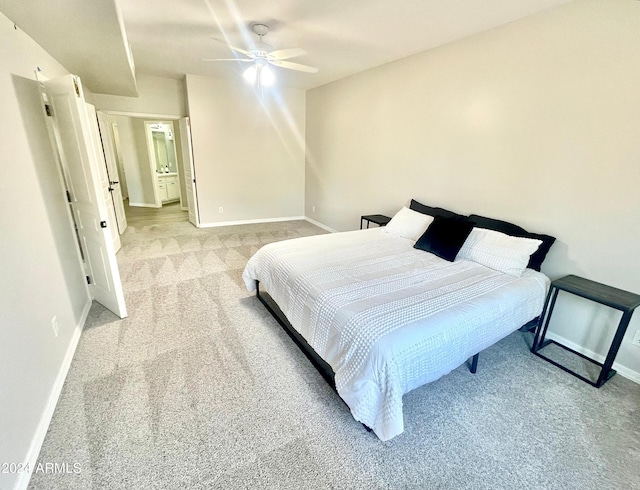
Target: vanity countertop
166,174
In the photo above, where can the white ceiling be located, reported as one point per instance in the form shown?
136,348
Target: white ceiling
341,37
86,36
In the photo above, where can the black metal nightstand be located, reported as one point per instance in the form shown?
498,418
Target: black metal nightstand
378,219
615,298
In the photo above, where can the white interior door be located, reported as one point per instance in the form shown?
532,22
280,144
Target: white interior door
153,165
121,173
109,149
189,171
73,131
96,146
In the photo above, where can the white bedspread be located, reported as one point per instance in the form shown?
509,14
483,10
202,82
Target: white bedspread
387,317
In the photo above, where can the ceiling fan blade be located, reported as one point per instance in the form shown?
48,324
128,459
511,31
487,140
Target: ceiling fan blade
285,54
227,59
294,66
243,51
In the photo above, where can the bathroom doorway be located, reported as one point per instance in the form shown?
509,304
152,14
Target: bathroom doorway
163,161
143,167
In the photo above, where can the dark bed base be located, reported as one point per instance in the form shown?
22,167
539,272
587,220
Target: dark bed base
323,368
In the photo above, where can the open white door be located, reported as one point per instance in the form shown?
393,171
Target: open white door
189,171
105,189
73,130
121,172
109,149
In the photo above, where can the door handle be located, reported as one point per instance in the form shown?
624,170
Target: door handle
111,182
110,189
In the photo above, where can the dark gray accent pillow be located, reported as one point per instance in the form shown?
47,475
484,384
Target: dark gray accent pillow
431,211
445,236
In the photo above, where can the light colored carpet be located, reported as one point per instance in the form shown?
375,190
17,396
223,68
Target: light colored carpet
201,388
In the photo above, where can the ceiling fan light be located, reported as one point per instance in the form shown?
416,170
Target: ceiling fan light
267,76
250,74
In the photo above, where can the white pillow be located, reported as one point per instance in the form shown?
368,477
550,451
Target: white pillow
408,224
498,251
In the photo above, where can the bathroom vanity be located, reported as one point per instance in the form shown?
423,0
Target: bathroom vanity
168,187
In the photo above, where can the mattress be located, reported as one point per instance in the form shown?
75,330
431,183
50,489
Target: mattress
389,318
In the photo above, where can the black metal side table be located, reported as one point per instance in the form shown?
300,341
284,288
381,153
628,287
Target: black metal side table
615,298
378,219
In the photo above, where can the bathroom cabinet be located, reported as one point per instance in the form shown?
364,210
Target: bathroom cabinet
168,187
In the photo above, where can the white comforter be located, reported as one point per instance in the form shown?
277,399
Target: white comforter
387,317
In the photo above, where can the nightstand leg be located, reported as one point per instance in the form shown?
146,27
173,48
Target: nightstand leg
613,350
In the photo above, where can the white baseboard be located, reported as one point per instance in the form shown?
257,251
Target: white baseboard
268,220
622,370
38,438
143,205
251,221
317,223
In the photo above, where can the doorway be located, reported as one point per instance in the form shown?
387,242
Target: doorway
143,155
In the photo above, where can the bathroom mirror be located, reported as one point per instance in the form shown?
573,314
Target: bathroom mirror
164,148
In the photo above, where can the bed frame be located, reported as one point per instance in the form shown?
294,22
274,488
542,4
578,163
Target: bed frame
323,368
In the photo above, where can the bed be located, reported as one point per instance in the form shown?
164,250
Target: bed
382,316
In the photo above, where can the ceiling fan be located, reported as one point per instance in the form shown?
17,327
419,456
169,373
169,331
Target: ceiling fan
262,55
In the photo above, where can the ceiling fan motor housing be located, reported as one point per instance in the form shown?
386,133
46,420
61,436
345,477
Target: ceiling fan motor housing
260,29
259,53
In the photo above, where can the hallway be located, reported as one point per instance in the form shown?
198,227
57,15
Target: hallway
141,216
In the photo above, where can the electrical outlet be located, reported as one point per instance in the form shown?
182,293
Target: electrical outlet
313,209
54,326
220,210
636,338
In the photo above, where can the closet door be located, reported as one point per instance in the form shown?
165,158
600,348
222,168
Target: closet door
76,147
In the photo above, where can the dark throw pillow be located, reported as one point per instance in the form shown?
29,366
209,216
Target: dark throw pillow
445,237
431,211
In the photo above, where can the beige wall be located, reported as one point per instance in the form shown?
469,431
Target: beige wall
163,96
248,152
537,122
41,276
